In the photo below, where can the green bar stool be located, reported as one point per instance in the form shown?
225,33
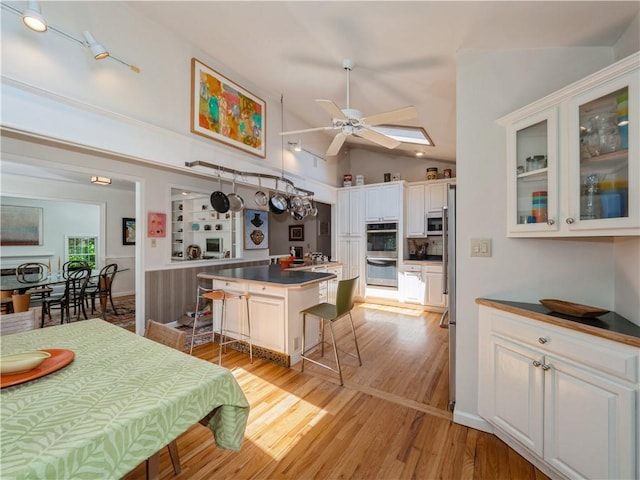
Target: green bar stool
330,312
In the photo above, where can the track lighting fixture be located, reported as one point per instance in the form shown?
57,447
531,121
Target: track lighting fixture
34,20
99,52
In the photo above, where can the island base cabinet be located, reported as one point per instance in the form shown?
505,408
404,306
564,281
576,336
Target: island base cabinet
547,394
264,329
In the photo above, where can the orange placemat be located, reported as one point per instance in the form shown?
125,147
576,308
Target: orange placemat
59,358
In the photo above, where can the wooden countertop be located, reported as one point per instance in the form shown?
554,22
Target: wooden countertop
611,325
271,275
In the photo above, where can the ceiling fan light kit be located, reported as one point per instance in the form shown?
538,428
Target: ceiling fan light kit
350,121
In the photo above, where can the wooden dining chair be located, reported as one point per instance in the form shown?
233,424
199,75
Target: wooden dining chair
33,272
102,289
174,338
332,312
71,266
19,322
73,296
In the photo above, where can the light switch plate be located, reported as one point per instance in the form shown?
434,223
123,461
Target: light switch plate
480,247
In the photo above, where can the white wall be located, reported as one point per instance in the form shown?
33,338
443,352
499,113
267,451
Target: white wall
581,270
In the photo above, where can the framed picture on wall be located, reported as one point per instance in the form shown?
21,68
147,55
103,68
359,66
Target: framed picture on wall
225,112
156,225
20,226
296,233
128,231
256,229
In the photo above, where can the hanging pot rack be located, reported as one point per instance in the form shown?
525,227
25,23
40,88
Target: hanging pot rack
237,173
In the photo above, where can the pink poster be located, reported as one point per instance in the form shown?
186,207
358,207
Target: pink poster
157,225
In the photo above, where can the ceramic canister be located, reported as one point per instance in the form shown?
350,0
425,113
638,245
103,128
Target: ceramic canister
432,173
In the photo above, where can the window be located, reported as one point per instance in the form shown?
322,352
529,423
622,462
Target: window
83,248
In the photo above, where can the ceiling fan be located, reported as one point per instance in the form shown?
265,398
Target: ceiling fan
350,121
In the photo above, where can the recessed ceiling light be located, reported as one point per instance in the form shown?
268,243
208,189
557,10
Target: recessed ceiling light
420,154
100,180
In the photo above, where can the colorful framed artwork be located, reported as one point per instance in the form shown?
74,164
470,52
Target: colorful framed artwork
128,231
256,229
20,226
296,233
156,225
224,111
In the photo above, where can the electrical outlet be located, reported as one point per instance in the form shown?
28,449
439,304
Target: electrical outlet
480,247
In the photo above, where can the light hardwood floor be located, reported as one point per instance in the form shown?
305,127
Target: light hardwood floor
389,421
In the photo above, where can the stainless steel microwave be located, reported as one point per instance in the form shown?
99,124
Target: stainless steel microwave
434,223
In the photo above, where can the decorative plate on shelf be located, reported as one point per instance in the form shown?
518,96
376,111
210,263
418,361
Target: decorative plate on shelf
573,309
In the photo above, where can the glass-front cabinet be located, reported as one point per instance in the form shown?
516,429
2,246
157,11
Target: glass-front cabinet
533,192
198,232
604,171
573,166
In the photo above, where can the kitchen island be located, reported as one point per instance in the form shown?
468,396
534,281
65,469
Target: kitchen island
276,298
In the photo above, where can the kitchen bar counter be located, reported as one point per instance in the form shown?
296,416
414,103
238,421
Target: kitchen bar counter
311,266
610,325
271,275
276,298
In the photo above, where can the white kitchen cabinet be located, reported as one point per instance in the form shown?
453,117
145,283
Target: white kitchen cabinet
383,203
349,212
434,294
573,160
267,333
351,255
568,397
412,285
420,199
436,196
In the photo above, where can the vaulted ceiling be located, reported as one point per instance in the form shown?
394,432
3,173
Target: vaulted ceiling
404,52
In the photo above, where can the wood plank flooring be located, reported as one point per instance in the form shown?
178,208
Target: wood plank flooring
389,421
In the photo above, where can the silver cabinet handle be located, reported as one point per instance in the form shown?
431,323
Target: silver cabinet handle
536,363
551,221
546,367
570,220
543,340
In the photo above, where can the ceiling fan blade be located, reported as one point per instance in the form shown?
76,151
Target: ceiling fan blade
378,138
405,113
305,130
332,109
336,144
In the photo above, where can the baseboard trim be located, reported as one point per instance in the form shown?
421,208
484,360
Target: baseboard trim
472,420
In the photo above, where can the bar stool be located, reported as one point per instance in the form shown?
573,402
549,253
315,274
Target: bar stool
222,296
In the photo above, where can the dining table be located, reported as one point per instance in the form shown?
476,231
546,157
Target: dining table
119,401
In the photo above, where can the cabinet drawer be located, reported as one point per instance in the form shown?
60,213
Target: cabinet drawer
605,355
433,268
411,268
229,286
261,289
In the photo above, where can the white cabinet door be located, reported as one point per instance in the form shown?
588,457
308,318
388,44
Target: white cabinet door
511,390
589,426
349,212
349,253
436,196
267,322
412,287
383,203
415,208
435,295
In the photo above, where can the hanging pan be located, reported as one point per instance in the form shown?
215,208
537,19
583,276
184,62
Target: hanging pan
219,201
260,197
236,203
278,203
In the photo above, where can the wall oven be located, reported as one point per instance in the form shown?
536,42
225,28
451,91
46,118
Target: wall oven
434,223
382,254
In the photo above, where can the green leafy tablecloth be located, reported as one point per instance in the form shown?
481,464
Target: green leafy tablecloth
122,399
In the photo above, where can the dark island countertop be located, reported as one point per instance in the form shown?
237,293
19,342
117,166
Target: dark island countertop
271,274
610,325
